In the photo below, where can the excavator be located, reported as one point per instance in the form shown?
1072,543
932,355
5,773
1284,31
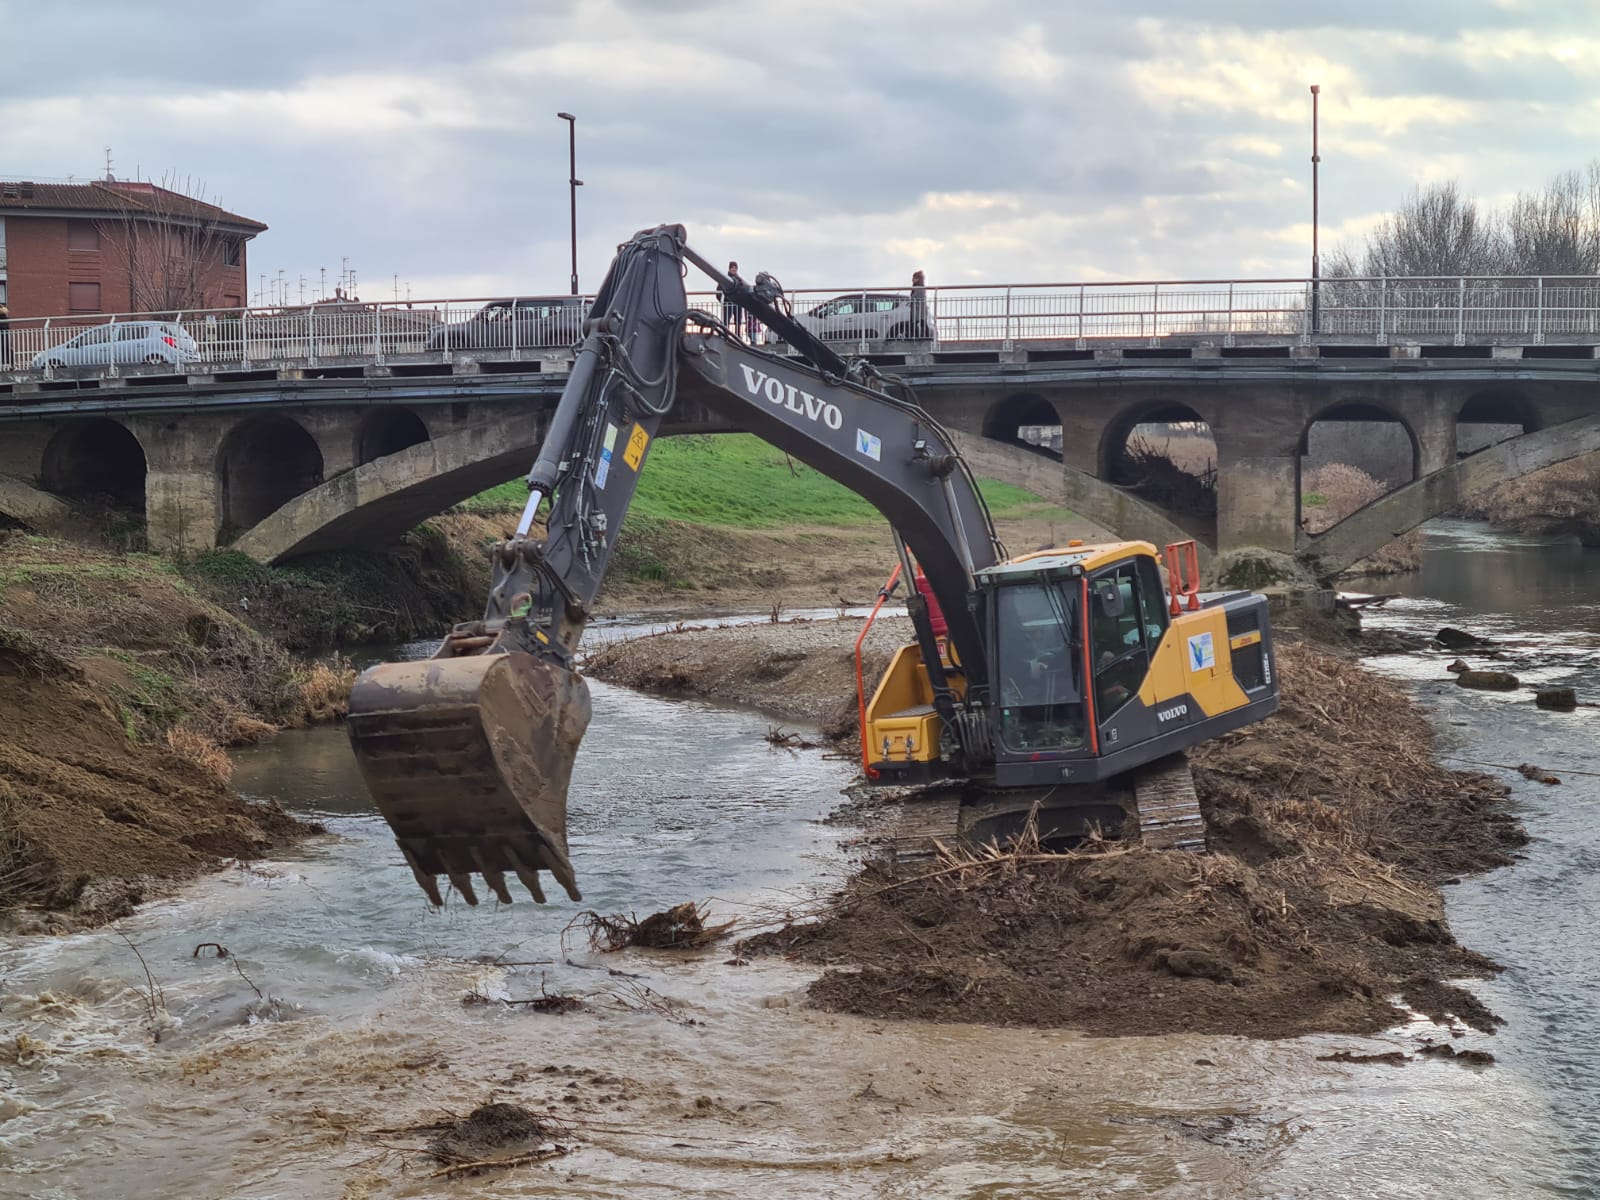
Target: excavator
1060,687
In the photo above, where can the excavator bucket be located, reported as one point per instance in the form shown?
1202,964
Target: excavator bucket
469,760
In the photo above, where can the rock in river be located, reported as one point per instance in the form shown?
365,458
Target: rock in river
1489,681
1560,699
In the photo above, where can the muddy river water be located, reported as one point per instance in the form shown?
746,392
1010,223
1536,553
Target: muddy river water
129,1067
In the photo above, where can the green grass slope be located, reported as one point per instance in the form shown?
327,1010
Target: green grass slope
737,480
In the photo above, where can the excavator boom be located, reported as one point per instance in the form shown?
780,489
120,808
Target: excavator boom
469,754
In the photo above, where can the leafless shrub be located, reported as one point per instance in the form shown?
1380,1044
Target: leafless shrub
681,927
1154,474
323,688
197,748
1555,499
1330,494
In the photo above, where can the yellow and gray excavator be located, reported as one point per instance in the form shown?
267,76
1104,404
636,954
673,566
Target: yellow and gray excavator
1061,686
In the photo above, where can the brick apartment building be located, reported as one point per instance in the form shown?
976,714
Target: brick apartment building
113,246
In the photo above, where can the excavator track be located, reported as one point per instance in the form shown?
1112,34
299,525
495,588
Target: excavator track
1169,809
1164,798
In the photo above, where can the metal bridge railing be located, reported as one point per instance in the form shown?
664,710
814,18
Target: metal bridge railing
1449,310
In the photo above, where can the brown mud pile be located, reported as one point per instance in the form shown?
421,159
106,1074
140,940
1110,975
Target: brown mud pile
164,655
1331,831
88,817
121,682
1330,828
488,1130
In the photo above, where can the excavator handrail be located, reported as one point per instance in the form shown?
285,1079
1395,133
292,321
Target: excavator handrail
861,679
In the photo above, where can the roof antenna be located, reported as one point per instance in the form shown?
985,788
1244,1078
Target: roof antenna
110,178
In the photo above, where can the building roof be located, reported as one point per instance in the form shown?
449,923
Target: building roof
116,199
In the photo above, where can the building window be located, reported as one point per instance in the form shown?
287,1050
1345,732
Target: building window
230,252
83,297
82,235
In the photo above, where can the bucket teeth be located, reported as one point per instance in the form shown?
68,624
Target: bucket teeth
424,880
529,877
495,879
462,882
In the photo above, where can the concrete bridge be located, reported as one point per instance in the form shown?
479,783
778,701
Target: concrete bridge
286,460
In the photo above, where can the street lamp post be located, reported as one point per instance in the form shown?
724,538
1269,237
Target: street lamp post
1316,259
574,183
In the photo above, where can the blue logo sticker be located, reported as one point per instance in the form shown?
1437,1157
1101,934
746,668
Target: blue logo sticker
1202,655
870,445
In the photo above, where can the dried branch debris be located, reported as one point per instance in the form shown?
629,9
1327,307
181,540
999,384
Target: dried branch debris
681,927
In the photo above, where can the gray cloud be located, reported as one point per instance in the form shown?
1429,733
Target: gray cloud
833,143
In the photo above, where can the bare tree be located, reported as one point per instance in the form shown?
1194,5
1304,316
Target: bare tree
168,239
1556,231
1437,231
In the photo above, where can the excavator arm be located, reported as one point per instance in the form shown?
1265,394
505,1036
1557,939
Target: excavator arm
469,754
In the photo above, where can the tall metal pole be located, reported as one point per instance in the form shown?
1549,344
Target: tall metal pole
574,183
1316,258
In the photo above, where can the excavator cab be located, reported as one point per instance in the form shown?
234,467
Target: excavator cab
1096,667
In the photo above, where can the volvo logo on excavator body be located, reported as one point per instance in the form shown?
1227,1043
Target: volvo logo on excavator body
773,389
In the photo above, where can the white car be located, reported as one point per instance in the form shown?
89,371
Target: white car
151,342
867,316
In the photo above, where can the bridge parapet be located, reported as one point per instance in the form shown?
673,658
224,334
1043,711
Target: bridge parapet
1154,315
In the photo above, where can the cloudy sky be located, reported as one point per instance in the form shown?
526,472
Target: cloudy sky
832,143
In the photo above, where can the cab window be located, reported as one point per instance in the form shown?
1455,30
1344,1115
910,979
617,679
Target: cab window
1152,601
1124,628
1037,666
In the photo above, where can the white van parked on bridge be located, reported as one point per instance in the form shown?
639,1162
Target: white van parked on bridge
151,342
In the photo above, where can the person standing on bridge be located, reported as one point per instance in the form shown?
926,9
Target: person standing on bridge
730,310
920,327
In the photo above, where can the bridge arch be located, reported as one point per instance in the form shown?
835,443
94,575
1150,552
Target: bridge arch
1160,454
1352,453
383,499
95,459
1403,509
1499,406
1493,415
1150,419
1369,412
1005,421
263,463
387,429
